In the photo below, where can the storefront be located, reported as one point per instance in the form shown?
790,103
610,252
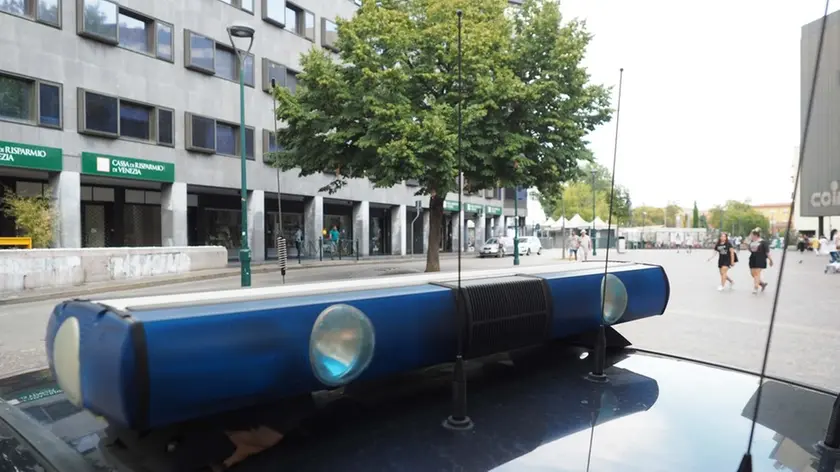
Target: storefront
25,170
450,211
338,214
473,229
121,200
491,216
380,229
291,214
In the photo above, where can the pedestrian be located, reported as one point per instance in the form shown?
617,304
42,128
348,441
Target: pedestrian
834,246
689,242
575,246
726,260
585,245
298,240
759,257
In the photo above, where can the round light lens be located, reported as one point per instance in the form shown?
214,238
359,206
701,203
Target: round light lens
614,298
66,361
341,345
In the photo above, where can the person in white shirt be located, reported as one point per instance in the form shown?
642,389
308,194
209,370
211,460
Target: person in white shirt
585,245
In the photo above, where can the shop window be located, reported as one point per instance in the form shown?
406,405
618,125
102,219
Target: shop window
205,55
29,100
47,12
109,116
211,136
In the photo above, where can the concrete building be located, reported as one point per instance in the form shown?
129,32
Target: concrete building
128,113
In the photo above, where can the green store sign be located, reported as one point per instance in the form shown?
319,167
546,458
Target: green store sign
492,210
28,156
449,205
127,168
473,208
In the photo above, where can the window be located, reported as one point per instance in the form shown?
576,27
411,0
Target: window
244,5
283,76
291,80
274,12
210,57
329,34
269,145
47,12
300,21
211,136
30,101
97,19
114,117
105,21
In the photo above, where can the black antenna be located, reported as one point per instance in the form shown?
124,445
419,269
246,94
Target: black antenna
746,461
600,354
459,420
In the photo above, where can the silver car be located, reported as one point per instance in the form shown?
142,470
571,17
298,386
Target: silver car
496,247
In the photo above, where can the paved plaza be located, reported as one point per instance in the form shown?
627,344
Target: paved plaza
726,327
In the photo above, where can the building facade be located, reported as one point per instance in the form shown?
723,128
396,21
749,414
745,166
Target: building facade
127,113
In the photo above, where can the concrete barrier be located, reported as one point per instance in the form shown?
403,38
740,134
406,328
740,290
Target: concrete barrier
31,269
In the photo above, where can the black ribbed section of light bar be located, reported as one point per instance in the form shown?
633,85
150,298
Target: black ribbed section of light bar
504,313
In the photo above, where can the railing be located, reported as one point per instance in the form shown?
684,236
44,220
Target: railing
24,242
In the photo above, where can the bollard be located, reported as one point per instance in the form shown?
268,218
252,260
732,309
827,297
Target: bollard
338,244
357,249
321,248
299,245
282,256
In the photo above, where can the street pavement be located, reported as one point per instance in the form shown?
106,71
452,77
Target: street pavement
727,327
730,327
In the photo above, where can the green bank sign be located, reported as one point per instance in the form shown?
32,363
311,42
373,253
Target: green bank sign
473,208
28,156
449,205
493,210
127,168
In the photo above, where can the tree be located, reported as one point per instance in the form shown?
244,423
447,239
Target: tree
739,218
695,216
579,202
388,110
703,222
671,212
648,216
33,216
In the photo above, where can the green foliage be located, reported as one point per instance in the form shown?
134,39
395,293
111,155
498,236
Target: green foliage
576,197
388,110
739,218
695,217
671,214
703,222
648,216
33,216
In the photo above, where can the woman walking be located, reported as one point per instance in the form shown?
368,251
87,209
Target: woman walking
759,257
726,259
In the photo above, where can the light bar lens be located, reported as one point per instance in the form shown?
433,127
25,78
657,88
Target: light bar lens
614,298
66,363
341,345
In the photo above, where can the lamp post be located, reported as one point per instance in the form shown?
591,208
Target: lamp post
516,226
594,235
276,147
243,32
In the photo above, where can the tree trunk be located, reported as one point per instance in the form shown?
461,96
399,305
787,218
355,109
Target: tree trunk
435,220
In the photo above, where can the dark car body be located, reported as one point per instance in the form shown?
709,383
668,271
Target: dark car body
532,411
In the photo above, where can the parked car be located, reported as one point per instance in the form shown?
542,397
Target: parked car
530,245
496,247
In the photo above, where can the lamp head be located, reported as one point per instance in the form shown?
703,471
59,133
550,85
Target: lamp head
241,31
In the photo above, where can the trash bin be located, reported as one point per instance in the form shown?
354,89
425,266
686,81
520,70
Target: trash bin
621,247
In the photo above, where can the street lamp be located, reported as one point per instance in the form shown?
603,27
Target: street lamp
243,32
594,235
516,226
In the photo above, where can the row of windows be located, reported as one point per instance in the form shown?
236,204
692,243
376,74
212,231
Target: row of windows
108,22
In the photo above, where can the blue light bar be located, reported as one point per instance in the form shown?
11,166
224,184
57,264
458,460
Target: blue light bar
153,361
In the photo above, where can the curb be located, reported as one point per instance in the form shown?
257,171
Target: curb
79,291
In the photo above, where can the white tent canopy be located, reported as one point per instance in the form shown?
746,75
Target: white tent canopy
599,223
577,222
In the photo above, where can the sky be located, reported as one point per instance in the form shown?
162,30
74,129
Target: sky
710,95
